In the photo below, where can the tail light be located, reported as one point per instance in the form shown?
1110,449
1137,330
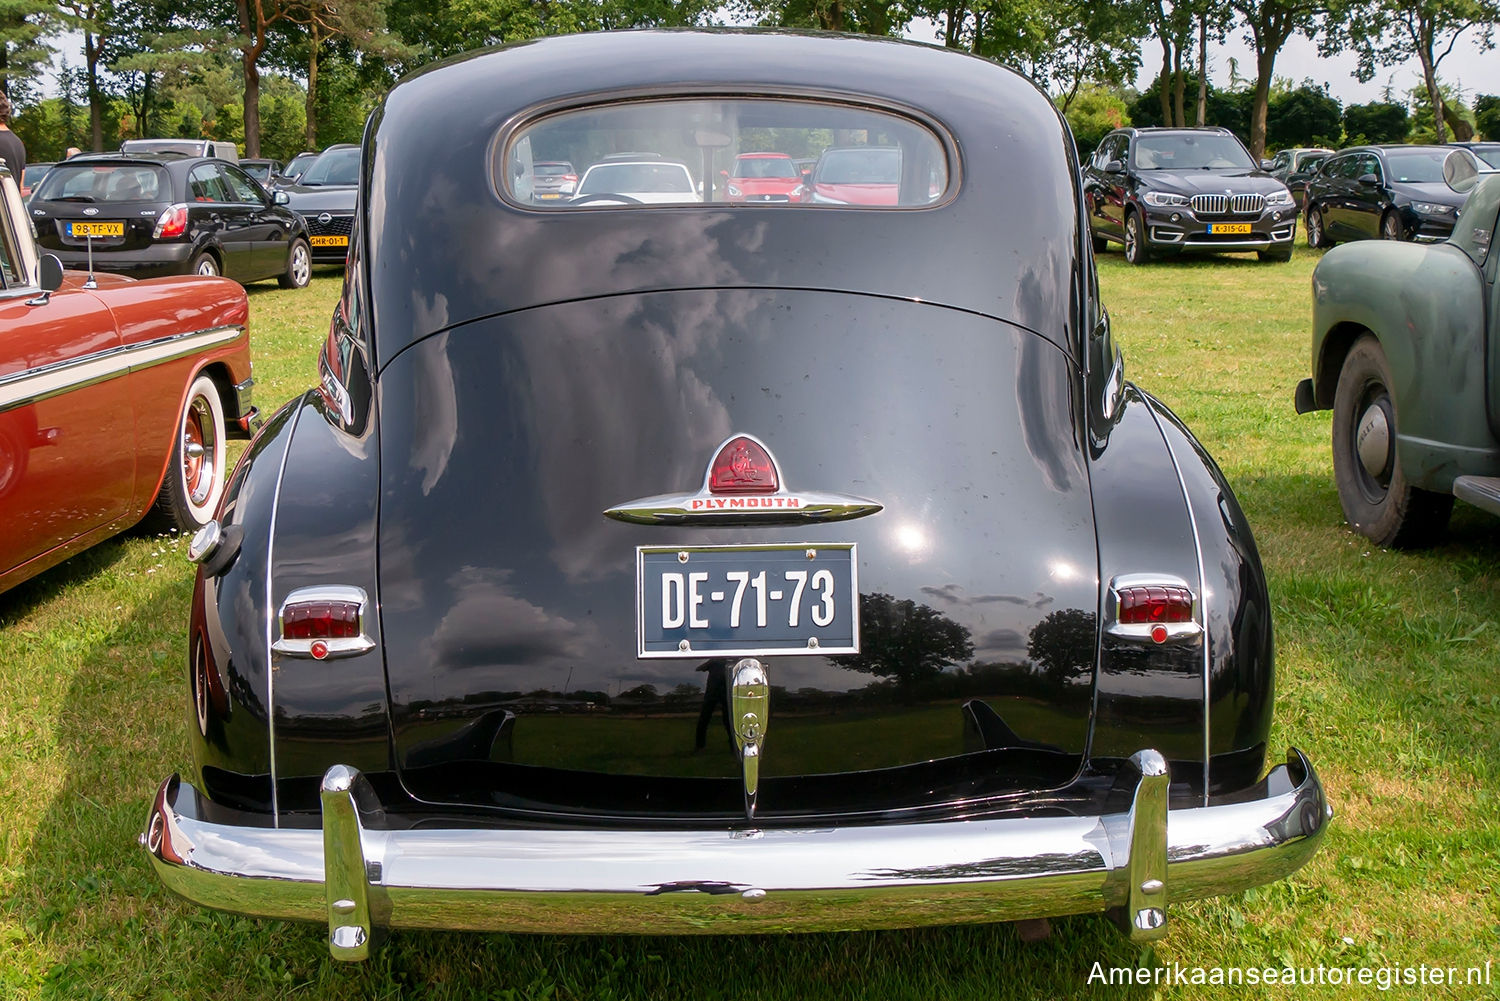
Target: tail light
570,177
172,222
743,466
1155,607
323,622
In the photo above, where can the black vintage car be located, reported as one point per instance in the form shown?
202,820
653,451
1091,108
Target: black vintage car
724,566
151,214
1164,190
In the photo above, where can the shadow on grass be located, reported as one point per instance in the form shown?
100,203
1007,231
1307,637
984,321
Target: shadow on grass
26,597
97,923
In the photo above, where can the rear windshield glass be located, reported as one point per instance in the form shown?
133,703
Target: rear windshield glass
191,147
104,182
752,152
1490,155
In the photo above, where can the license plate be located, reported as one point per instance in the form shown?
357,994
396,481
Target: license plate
79,229
745,601
549,196
1236,228
329,241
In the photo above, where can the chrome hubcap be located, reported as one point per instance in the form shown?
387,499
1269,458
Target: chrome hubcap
301,266
1372,440
199,439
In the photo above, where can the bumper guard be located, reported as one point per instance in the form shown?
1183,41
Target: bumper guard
360,879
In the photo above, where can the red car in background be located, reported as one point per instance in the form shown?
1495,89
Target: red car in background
857,175
116,397
763,177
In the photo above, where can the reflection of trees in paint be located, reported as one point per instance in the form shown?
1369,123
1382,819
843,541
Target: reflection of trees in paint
1063,644
905,641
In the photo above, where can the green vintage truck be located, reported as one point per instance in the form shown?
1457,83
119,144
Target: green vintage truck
1406,352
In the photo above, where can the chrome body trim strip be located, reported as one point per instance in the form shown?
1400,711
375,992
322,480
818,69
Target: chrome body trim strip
681,882
1200,602
274,623
20,389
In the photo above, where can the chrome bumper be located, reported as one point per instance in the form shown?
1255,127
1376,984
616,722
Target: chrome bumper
680,882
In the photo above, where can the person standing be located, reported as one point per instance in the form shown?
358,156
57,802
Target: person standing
12,149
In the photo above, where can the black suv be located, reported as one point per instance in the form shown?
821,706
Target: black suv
166,214
1158,189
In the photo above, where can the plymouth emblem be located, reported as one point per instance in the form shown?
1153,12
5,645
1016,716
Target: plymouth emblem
743,485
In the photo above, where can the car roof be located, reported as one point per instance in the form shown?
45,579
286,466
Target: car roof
447,123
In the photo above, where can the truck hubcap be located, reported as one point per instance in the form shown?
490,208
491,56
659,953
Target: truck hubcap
1372,439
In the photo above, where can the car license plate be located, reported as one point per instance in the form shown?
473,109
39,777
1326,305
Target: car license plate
79,229
743,601
329,241
1236,228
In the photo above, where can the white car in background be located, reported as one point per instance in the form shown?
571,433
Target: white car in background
648,182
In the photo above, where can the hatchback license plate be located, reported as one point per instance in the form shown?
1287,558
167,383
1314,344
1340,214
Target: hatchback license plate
330,241
1236,228
79,229
744,601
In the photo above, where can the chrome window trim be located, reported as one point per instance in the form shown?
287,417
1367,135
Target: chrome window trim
22,389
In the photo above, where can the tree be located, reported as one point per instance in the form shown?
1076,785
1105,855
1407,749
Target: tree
359,26
906,641
1376,122
95,20
1093,114
1063,645
1306,116
1387,32
1269,24
1088,42
1487,117
24,52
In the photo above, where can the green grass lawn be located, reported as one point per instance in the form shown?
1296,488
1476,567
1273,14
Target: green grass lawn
1387,678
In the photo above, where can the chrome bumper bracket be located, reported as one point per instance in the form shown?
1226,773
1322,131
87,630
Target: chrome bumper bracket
1146,865
345,871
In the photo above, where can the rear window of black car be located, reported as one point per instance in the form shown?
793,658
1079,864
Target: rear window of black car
862,157
105,182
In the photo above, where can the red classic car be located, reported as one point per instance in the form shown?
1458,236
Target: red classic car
116,398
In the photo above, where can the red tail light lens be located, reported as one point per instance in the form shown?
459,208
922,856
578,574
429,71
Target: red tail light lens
1151,605
570,177
742,467
172,222
321,620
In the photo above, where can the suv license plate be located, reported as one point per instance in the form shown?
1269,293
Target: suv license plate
1236,228
747,601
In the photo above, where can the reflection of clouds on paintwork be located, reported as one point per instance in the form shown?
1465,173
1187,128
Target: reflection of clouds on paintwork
999,643
1042,388
642,388
434,413
953,594
489,626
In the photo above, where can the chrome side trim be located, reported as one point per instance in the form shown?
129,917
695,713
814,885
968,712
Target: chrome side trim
684,882
270,570
1200,601
337,647
22,389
